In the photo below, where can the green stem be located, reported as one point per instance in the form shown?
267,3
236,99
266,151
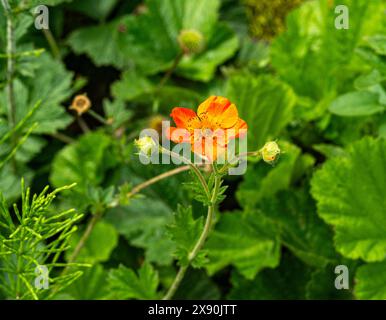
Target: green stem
201,241
97,117
192,166
169,73
10,51
52,43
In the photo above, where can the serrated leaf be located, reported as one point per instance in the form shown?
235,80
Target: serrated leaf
144,223
301,230
371,281
185,232
124,283
245,240
98,247
350,196
105,44
51,86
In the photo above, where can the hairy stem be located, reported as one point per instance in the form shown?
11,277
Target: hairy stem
192,166
160,177
93,221
200,242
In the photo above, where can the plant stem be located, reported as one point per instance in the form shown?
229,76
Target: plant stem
169,73
97,117
10,51
160,177
93,221
192,166
200,243
90,226
52,43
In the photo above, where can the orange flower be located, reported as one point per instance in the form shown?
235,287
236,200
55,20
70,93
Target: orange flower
210,130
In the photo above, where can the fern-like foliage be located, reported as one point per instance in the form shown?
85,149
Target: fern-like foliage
32,240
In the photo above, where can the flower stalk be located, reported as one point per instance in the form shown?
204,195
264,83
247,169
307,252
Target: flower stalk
201,241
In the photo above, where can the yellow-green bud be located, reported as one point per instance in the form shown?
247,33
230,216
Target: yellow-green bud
270,152
146,145
191,41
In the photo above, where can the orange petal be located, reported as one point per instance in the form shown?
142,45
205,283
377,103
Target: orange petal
185,118
209,149
239,130
178,135
219,111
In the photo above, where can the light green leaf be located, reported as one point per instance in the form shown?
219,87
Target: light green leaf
371,281
264,103
245,240
350,196
98,247
361,103
124,283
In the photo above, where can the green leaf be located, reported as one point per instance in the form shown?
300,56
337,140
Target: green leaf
95,9
51,86
34,3
301,230
288,281
361,103
350,196
132,85
264,103
263,181
150,39
144,223
322,285
221,46
378,44
197,285
84,162
245,240
116,112
92,285
371,281
185,232
98,247
124,283
105,44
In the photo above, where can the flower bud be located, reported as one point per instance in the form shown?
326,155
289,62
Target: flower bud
191,41
146,145
270,152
